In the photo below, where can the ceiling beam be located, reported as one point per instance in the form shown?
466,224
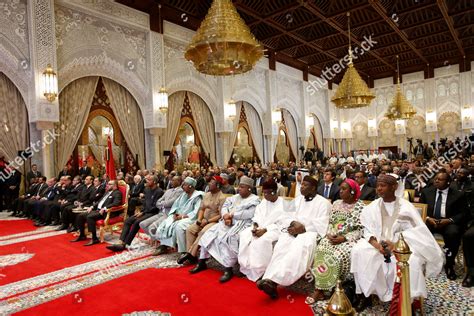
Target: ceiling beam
289,7
285,32
449,21
315,11
378,7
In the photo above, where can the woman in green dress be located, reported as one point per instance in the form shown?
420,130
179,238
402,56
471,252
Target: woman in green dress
333,253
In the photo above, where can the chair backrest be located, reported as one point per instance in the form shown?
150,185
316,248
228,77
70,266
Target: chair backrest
124,188
292,190
422,208
409,194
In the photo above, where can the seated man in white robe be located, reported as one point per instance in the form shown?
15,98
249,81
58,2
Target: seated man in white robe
221,241
293,253
256,242
383,220
172,231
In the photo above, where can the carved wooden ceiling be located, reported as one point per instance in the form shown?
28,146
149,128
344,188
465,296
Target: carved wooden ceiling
311,35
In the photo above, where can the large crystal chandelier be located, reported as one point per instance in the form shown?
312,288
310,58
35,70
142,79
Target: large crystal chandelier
400,108
352,91
223,45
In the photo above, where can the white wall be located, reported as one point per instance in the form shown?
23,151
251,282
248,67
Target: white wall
111,40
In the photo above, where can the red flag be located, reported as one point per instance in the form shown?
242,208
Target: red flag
109,161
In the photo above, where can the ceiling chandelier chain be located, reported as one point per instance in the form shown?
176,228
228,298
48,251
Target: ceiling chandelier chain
352,92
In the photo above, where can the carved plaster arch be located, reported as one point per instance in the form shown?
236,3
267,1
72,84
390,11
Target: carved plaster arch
9,65
199,88
68,74
289,105
318,130
250,96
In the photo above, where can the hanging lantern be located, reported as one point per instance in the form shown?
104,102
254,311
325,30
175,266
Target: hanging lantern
162,101
230,110
276,116
352,92
400,108
223,45
50,84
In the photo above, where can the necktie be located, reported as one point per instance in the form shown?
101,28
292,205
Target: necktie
437,209
326,192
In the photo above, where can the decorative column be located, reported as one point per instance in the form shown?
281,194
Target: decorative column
43,53
271,103
154,119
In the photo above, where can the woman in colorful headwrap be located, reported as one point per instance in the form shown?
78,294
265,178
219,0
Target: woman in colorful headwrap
333,253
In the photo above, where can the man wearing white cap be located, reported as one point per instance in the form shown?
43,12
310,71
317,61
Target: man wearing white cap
302,229
172,231
372,261
221,241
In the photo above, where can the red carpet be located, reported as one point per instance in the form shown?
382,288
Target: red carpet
16,227
174,291
50,254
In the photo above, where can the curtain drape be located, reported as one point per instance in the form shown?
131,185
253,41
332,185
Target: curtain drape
205,125
229,138
292,133
256,130
74,104
14,120
274,144
129,118
175,106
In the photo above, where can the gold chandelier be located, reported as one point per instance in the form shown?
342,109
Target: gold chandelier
400,108
223,45
352,92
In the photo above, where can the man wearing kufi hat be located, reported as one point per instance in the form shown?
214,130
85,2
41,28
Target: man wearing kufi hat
208,215
172,231
221,241
293,252
372,261
256,242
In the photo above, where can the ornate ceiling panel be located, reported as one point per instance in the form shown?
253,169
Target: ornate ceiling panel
310,34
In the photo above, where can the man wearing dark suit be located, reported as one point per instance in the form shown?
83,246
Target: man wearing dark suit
446,216
367,193
64,172
36,189
328,189
468,249
113,197
372,177
50,210
132,225
13,187
82,198
464,184
98,191
134,199
85,170
32,206
34,173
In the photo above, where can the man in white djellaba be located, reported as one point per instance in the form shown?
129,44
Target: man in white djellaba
256,242
294,250
383,220
221,241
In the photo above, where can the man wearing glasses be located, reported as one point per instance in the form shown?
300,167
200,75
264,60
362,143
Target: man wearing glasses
111,198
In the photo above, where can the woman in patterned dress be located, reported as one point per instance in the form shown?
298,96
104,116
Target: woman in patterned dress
333,252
